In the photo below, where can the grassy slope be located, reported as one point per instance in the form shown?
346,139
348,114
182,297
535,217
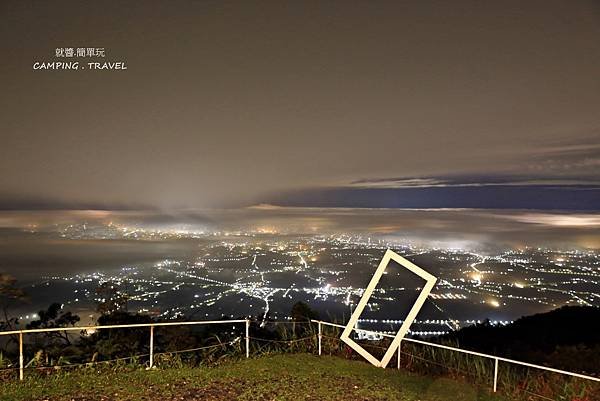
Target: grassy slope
281,377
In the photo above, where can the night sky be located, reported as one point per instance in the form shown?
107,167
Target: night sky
358,104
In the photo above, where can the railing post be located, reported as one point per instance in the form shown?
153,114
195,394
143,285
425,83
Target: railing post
151,346
21,356
320,336
399,345
495,374
247,338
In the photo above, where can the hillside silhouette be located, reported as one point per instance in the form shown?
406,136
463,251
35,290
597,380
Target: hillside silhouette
565,338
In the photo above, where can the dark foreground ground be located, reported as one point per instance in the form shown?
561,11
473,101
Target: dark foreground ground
281,377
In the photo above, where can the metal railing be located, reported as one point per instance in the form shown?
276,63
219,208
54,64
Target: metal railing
496,359
247,337
124,326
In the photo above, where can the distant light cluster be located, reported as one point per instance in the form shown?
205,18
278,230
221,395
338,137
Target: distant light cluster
254,273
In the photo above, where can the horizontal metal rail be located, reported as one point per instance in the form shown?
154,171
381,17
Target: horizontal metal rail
119,326
493,357
496,359
123,326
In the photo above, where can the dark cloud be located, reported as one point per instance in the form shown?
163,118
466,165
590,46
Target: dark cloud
579,159
540,197
480,181
224,102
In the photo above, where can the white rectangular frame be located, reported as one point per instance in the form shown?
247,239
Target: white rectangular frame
430,281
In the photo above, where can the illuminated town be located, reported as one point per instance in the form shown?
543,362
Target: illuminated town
262,274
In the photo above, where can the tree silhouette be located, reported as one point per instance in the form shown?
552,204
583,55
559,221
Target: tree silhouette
55,317
112,299
9,293
301,312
